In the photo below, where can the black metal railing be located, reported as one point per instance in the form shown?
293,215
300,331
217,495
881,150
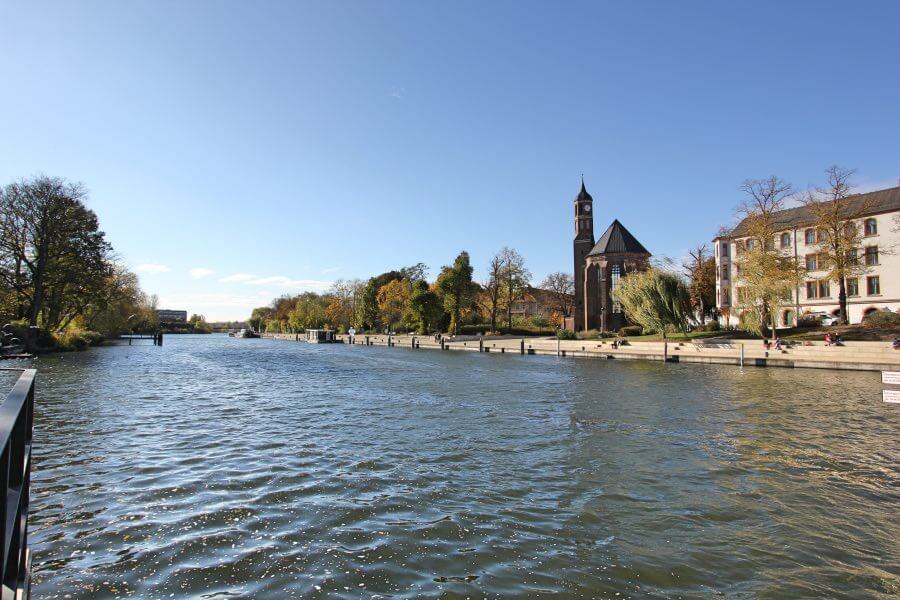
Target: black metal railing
16,424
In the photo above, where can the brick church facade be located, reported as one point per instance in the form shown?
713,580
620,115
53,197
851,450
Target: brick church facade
599,266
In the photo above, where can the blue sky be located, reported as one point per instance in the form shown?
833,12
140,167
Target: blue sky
236,151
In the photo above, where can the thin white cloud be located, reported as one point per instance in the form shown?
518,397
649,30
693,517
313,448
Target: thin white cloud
237,278
152,268
279,281
330,270
200,273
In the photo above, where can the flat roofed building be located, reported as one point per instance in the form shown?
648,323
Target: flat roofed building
876,214
171,316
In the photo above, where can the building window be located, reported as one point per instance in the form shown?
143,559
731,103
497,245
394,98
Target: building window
820,236
811,262
726,296
812,290
852,257
726,272
871,256
824,289
853,287
725,249
785,240
873,285
770,244
871,227
614,279
810,237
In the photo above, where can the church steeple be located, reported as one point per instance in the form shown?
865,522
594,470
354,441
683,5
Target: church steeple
584,241
584,215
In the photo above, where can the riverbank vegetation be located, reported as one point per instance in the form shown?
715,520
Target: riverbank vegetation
61,286
406,300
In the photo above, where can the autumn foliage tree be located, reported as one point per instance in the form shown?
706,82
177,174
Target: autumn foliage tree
768,275
839,238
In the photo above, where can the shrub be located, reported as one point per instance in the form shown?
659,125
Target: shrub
881,319
74,339
630,330
566,334
709,326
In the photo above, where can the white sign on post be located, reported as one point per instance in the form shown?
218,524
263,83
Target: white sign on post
892,396
890,377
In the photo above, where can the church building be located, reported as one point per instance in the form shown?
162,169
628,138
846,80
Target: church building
599,266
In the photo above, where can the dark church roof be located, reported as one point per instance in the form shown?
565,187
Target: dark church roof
583,194
871,203
617,239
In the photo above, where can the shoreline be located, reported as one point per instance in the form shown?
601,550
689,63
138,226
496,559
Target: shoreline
856,356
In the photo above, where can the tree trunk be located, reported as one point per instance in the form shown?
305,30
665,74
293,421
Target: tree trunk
842,300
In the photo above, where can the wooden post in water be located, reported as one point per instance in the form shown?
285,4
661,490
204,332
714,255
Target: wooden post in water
522,346
742,355
557,346
412,342
481,344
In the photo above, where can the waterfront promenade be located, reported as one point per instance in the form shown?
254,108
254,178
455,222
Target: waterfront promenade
857,356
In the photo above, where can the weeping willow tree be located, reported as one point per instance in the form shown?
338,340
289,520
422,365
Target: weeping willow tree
655,299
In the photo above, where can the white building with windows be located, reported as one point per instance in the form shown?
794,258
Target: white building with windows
877,289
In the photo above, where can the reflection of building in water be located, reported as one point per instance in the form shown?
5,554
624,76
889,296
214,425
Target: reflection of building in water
171,316
599,267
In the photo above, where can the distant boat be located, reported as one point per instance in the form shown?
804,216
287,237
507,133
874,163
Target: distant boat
246,333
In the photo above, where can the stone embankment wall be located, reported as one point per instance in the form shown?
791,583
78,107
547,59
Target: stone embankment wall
863,356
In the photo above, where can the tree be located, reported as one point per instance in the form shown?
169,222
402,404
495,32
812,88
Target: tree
393,301
340,312
457,289
308,312
490,296
426,307
701,272
514,279
561,290
839,239
367,303
768,275
52,252
656,299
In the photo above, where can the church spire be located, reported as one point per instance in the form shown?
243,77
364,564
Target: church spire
583,194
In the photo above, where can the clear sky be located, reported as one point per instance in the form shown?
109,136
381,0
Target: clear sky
235,151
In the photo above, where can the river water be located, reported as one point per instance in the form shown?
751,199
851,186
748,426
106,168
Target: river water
215,467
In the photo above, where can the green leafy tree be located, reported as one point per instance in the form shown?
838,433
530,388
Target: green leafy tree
52,252
655,299
426,307
457,289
